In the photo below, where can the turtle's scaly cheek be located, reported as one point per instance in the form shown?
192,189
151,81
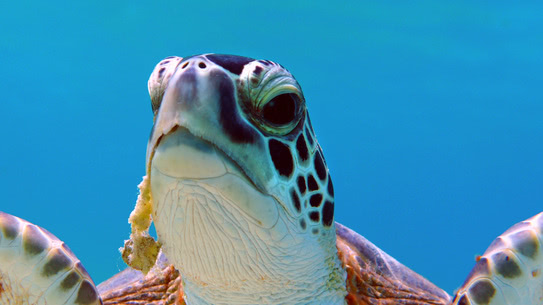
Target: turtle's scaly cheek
182,158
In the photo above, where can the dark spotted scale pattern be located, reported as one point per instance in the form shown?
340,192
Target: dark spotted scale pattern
319,166
295,200
312,184
302,187
509,272
301,147
34,241
301,162
45,260
251,113
315,200
482,291
328,213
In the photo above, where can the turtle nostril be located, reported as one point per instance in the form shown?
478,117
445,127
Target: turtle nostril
185,65
202,65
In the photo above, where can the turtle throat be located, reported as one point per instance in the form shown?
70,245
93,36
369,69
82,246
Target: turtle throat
231,243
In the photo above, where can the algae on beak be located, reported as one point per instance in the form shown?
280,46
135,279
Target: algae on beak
141,250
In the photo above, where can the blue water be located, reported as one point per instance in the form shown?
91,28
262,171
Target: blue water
430,113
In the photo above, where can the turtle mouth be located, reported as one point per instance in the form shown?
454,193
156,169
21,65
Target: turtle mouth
182,156
185,155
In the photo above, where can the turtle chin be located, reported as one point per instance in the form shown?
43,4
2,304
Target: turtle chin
181,158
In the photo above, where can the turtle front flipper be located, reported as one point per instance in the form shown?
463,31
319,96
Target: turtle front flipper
38,268
510,271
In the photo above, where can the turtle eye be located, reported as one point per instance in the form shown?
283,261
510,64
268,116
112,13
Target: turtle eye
281,109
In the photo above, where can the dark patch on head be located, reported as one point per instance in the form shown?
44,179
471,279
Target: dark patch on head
315,200
314,216
281,157
9,225
231,63
161,72
482,292
57,262
164,62
303,224
328,213
319,166
526,243
70,280
301,147
506,265
330,186
309,137
312,183
257,70
34,242
234,126
169,57
301,184
295,200
87,293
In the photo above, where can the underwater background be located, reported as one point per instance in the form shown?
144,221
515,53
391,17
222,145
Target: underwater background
430,113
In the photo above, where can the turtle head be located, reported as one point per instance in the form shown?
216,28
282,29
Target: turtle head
251,116
234,164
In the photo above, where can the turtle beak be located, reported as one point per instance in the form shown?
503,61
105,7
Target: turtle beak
192,101
185,92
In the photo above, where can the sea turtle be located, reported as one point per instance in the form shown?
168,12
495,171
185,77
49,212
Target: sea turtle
243,205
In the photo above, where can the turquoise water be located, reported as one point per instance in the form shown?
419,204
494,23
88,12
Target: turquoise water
430,114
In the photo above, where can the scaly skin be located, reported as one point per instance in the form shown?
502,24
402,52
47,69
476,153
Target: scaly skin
509,272
37,268
232,147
